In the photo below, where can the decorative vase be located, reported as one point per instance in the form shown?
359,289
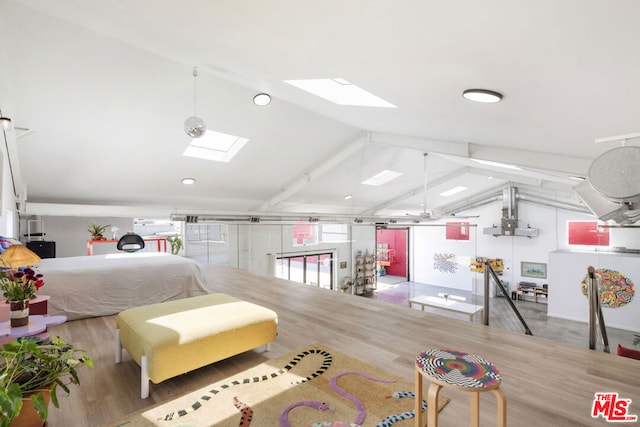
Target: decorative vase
19,313
28,416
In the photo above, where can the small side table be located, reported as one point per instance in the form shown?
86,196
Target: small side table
37,326
459,370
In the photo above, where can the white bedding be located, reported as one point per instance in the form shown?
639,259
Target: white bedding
100,285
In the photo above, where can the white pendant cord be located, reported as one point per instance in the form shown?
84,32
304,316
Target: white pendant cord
424,206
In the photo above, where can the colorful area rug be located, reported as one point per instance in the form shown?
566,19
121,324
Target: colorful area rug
314,386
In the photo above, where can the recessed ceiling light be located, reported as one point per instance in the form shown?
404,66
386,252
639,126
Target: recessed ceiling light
382,178
482,95
341,92
348,196
497,164
454,190
262,99
188,181
216,146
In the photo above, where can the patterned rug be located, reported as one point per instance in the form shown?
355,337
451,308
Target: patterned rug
314,386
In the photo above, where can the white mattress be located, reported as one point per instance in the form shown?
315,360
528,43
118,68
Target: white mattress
100,285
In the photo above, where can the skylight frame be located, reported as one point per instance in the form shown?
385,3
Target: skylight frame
454,190
497,164
381,178
341,92
215,146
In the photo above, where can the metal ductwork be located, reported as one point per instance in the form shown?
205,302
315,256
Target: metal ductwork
612,189
509,221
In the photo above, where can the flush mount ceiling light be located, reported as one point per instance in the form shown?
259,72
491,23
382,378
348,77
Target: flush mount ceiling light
348,196
194,126
340,91
188,181
482,95
5,122
262,99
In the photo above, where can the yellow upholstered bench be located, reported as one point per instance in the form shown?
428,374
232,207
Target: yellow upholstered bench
175,337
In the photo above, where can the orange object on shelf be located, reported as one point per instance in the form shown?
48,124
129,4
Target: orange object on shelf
162,243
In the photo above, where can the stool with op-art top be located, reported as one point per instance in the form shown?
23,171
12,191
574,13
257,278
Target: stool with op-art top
458,370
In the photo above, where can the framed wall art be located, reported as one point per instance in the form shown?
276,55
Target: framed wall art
537,270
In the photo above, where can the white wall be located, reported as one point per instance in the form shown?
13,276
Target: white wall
71,235
567,269
430,240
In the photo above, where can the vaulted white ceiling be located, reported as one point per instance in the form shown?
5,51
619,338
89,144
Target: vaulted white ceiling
104,87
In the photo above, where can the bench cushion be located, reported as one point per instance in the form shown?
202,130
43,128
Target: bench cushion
183,335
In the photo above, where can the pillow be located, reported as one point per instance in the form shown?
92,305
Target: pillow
5,242
628,352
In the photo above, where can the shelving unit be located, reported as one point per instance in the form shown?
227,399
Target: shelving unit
365,274
385,256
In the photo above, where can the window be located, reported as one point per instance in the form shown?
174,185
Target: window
305,234
334,233
312,269
587,233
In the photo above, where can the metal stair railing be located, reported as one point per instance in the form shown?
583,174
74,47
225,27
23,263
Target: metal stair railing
595,313
489,273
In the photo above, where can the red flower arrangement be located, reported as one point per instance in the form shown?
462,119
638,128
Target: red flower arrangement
20,285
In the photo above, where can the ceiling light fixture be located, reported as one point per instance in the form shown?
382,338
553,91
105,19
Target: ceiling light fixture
188,181
5,122
348,196
482,95
194,126
262,99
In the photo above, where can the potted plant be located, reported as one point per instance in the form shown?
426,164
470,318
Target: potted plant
18,287
176,244
97,230
31,372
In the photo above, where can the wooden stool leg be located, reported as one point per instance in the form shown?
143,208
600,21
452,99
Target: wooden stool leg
474,420
432,404
502,407
418,397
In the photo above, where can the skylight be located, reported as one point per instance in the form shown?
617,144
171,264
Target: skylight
382,178
216,146
340,91
497,164
454,190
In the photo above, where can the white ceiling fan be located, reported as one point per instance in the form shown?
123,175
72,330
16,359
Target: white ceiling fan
428,215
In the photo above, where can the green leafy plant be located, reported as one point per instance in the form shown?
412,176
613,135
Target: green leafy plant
28,365
97,230
176,244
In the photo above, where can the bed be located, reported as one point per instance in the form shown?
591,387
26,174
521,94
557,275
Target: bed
101,285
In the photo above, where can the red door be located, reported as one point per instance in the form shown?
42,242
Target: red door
395,241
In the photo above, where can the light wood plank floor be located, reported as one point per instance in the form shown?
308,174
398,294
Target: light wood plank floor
547,383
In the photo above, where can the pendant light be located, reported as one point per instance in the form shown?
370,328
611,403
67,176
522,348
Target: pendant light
5,122
194,126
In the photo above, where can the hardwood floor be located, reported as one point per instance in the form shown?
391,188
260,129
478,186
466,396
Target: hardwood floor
546,383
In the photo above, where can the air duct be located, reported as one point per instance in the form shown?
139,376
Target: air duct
509,221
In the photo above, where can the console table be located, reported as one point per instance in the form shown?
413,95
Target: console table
447,304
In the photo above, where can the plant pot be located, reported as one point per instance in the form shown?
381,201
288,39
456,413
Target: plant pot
19,313
97,237
28,416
